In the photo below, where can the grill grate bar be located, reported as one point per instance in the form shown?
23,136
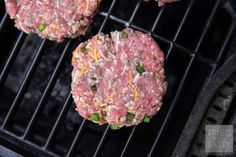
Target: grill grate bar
134,129
12,57
134,13
59,119
129,140
132,134
47,89
107,15
8,135
190,52
226,41
118,20
180,26
102,141
82,126
208,24
4,21
77,138
184,19
172,106
210,19
157,20
25,83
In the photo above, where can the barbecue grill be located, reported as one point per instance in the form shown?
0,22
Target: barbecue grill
37,113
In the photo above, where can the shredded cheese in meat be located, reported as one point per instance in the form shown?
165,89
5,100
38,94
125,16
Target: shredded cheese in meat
83,70
72,92
55,26
95,54
96,103
132,111
87,5
105,109
135,94
73,59
130,78
110,98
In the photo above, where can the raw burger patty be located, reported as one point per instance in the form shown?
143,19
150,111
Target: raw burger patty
53,19
163,2
118,80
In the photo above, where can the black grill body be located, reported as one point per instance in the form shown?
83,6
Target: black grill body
37,113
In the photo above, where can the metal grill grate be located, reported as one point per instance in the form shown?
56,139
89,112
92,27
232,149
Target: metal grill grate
37,112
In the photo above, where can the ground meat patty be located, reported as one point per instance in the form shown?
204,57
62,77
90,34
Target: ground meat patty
53,19
163,2
118,80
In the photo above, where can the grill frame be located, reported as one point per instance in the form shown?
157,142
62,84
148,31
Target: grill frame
227,70
15,141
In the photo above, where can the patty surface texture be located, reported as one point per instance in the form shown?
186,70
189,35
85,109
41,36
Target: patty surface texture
118,80
53,19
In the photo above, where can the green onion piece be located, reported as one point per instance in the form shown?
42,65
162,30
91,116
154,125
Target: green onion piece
114,127
42,27
146,119
140,68
84,50
95,117
94,88
124,35
130,117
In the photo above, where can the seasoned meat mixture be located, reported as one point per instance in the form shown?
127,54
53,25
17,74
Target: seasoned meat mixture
118,80
53,19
